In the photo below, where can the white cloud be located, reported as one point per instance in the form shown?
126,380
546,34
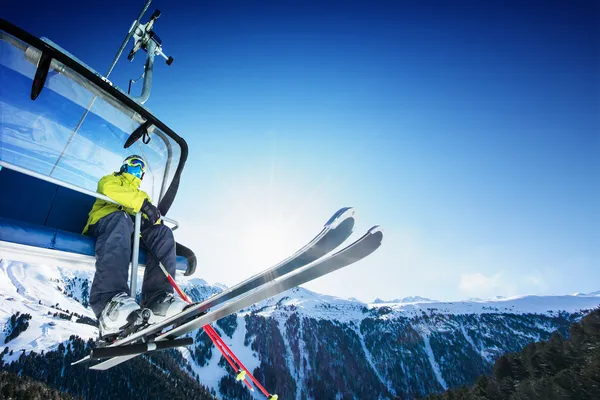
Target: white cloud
537,281
477,284
499,284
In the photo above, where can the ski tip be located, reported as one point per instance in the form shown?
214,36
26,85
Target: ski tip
341,215
273,397
376,229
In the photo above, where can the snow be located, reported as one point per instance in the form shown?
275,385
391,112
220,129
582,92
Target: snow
32,283
527,304
211,374
21,289
369,359
23,286
243,353
311,304
432,361
596,293
319,306
410,299
221,286
469,339
304,364
289,358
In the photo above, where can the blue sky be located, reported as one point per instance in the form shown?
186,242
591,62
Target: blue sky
469,131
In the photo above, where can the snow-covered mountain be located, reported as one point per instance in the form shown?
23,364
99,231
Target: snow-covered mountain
410,299
596,293
300,344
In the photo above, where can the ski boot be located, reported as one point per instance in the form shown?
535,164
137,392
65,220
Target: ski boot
121,316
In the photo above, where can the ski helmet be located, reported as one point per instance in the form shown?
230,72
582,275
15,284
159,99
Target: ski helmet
134,165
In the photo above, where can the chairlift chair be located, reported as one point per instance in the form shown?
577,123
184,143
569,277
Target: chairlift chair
63,126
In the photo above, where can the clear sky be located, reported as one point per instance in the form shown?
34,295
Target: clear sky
469,130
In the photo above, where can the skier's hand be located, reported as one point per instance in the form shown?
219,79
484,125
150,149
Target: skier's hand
151,212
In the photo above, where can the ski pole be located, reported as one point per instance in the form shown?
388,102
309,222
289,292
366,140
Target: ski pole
187,300
213,336
258,385
174,284
241,373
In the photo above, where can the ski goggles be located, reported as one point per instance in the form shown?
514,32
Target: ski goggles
136,162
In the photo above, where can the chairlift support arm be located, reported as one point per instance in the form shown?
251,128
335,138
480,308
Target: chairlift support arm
146,39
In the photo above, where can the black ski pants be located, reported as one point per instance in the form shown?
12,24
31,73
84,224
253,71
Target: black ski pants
114,238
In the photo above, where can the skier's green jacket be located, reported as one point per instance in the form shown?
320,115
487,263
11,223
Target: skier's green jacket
123,188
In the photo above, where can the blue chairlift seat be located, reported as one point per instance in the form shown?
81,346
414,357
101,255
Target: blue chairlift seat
44,215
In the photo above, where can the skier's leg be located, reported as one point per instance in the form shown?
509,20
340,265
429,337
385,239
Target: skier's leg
157,292
113,254
160,244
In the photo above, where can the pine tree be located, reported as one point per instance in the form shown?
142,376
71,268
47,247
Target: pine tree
502,368
552,354
519,372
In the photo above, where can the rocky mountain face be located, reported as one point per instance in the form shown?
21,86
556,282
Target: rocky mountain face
299,345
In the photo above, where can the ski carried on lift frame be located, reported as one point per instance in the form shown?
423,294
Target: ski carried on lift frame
356,251
334,232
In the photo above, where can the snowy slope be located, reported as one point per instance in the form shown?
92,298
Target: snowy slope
39,291
529,304
330,307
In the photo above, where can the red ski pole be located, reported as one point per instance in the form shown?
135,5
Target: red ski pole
241,373
258,385
215,342
218,338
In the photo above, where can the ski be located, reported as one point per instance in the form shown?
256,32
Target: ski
139,348
348,255
335,231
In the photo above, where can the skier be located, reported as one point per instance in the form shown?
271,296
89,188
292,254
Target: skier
113,227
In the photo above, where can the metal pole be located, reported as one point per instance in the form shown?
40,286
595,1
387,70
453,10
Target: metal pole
148,68
136,253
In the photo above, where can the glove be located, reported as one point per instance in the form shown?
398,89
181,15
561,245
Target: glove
151,211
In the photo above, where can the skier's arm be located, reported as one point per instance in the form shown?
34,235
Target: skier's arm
126,196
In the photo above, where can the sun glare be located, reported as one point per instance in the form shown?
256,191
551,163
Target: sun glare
266,243
256,216
265,223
